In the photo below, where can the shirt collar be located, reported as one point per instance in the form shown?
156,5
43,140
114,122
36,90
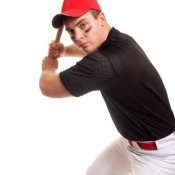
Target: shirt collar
112,34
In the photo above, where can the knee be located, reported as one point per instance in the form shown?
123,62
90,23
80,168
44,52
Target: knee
97,170
90,171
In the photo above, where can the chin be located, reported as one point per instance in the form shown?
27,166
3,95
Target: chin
89,50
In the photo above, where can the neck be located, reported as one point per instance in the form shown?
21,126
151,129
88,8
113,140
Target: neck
107,29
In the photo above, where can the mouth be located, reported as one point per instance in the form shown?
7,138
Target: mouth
83,45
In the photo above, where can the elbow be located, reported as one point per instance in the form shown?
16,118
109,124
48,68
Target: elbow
47,92
51,86
44,92
44,86
43,89
47,89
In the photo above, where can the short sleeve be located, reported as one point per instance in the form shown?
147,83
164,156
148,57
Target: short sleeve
93,72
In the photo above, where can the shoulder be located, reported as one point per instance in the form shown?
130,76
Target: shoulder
96,56
96,60
95,64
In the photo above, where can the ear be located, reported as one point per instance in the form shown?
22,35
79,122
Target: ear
102,19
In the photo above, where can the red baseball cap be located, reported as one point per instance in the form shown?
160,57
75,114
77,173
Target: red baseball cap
74,8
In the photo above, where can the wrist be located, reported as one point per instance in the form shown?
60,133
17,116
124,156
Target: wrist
51,57
49,64
50,69
64,52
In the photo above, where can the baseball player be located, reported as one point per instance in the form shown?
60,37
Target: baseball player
113,63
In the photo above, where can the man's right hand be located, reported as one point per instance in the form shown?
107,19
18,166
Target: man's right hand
56,50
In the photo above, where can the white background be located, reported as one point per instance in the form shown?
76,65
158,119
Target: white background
45,136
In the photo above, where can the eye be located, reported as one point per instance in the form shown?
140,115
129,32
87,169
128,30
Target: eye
70,32
88,29
82,26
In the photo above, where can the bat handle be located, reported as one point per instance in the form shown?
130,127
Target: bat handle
58,35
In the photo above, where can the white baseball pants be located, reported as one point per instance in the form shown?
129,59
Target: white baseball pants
121,158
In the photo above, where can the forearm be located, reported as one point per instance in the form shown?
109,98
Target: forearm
50,83
48,76
74,51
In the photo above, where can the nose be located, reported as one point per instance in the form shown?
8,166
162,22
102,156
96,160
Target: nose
78,36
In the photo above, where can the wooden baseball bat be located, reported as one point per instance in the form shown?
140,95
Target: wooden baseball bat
58,35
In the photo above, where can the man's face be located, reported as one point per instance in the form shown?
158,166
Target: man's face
86,31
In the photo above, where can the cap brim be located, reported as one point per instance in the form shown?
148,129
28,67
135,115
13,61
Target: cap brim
57,20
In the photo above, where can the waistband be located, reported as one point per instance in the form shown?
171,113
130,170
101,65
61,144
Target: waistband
154,145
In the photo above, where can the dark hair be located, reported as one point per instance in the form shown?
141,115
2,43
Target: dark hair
95,13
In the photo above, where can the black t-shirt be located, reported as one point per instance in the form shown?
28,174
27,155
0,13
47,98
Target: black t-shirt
130,85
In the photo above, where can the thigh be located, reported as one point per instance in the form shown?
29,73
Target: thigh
161,162
114,160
